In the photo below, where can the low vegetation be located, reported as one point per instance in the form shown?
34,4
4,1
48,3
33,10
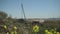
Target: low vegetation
8,25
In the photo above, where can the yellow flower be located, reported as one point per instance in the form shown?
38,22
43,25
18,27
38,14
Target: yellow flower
46,30
5,26
15,27
12,32
7,33
15,32
36,28
49,33
57,32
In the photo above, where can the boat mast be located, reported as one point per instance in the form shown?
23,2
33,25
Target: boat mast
23,11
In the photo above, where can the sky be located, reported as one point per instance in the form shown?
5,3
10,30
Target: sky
32,8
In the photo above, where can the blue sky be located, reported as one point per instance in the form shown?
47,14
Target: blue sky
32,8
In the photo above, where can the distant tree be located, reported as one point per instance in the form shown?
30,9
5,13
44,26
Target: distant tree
3,15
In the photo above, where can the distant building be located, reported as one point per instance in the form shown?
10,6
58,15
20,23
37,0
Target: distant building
36,20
